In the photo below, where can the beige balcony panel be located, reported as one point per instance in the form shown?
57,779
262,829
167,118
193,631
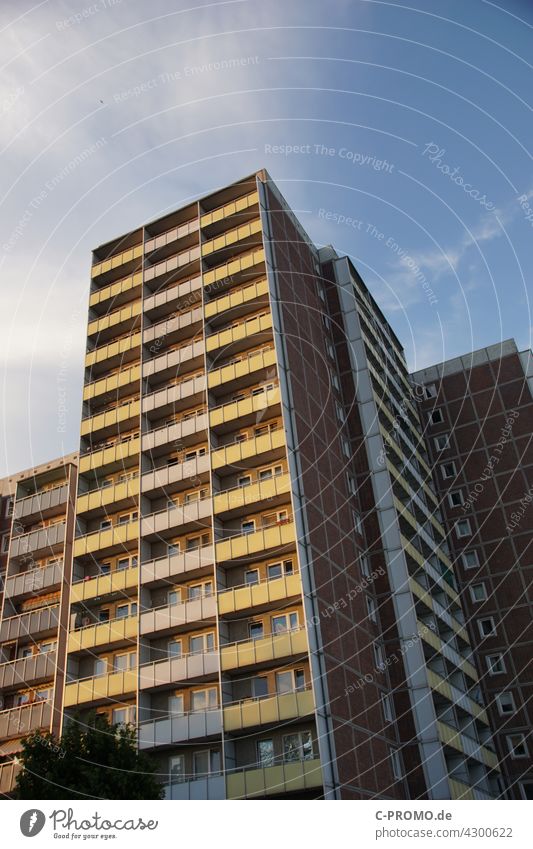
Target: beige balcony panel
118,581
42,504
198,512
26,584
163,436
174,616
259,595
166,476
34,624
165,569
19,721
180,729
175,359
263,650
38,541
28,671
173,670
174,394
109,634
236,453
113,456
111,686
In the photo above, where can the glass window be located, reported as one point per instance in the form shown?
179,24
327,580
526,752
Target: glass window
517,745
274,570
176,769
265,752
505,702
105,568
284,682
173,548
100,667
204,699
122,563
251,576
478,592
206,762
120,716
173,597
248,527
259,687
487,627
495,664
245,480
174,648
470,559
286,622
175,705
297,747
255,630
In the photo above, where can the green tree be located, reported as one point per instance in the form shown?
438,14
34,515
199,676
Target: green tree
90,760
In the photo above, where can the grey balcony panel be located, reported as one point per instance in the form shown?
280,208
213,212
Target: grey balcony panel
177,729
171,670
21,720
42,502
176,615
177,432
212,787
178,518
175,359
173,295
168,475
28,670
35,581
8,776
173,325
164,569
34,624
40,540
185,390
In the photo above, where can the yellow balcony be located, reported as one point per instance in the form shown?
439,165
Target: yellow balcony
435,642
98,498
425,596
232,237
110,634
237,453
116,582
409,549
463,743
229,209
8,776
237,298
273,780
128,315
242,331
234,268
114,383
240,370
248,545
270,710
114,350
117,291
115,537
116,261
111,418
460,790
258,595
243,496
444,688
249,406
263,650
109,686
114,455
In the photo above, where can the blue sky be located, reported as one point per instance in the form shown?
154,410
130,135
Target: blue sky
399,133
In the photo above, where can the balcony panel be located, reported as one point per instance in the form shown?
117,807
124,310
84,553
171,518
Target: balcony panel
458,697
237,302
107,541
117,632
118,293
119,495
168,478
98,690
163,570
173,299
101,586
182,519
274,780
169,672
113,421
243,237
230,212
164,243
243,373
251,545
115,353
179,729
270,710
211,787
111,458
178,617
43,505
20,721
173,268
40,542
117,322
186,431
125,258
264,650
26,584
28,671
263,595
238,500
242,455
243,335
238,270
245,412
175,363
178,328
34,625
181,395
123,382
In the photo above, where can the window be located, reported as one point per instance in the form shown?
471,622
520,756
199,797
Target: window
334,381
495,664
357,522
192,543
291,681
526,789
455,498
487,628
206,762
245,480
196,591
470,559
298,747
175,705
202,643
204,699
271,519
174,648
378,655
505,702
277,570
396,762
364,563
105,568
430,390
442,442
176,769
121,716
351,484
339,412
24,652
123,610
517,745
259,687
100,668
265,752
448,470
173,597
463,529
105,524
5,543
436,417
478,592
251,576
346,449
255,630
173,548
285,622
44,648
122,563
122,662
248,527
386,706
372,609
42,695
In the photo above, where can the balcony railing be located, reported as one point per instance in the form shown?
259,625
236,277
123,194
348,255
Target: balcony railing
33,624
110,685
268,710
161,570
121,630
19,721
45,539
8,776
166,730
278,776
264,649
264,539
262,593
170,670
28,671
229,209
35,581
174,432
170,617
41,503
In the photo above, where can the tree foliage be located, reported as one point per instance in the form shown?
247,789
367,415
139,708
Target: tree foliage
92,759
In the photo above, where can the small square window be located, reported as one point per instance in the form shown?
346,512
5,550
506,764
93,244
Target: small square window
456,498
396,764
378,655
436,417
346,450
248,527
251,577
517,745
448,470
372,609
462,528
357,522
478,592
487,628
470,559
364,563
386,704
506,704
352,485
430,390
495,664
442,442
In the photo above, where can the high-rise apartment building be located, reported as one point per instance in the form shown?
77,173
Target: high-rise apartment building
261,579
477,413
38,526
